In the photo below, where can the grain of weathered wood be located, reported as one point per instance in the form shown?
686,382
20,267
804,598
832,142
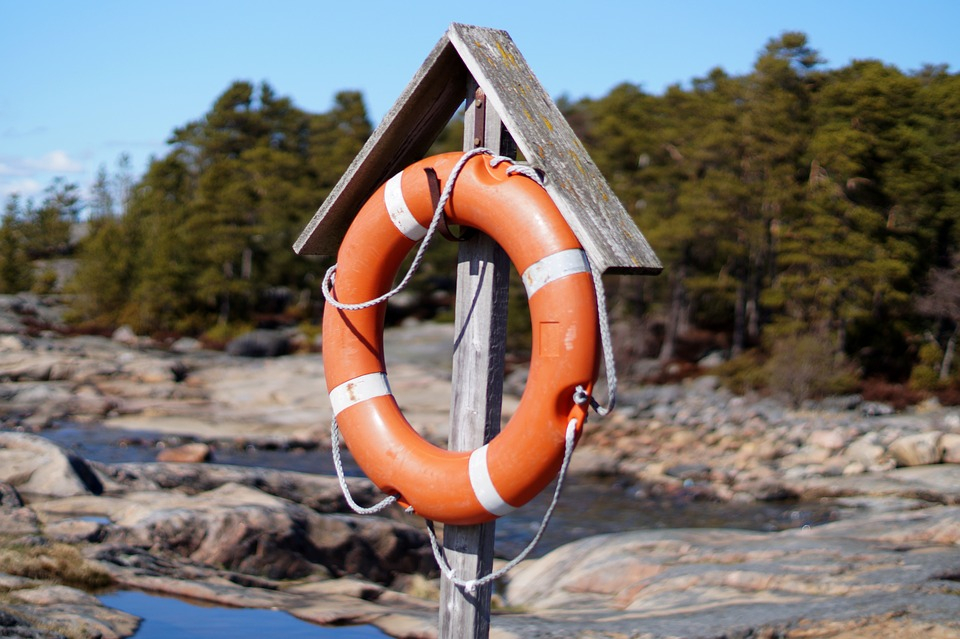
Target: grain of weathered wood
611,239
545,139
402,138
516,103
483,275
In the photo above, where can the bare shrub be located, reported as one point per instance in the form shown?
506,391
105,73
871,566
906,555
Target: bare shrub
806,367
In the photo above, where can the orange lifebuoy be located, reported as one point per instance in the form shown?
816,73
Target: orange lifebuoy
462,487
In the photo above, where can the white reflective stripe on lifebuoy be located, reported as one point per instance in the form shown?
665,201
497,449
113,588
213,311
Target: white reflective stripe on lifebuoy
483,486
358,389
399,212
553,267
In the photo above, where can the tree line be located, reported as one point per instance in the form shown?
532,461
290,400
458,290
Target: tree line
205,235
794,203
791,205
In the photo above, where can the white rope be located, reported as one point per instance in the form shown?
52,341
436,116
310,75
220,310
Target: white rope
330,277
609,362
471,585
338,464
580,395
517,169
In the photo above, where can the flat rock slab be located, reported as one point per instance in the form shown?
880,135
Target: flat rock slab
712,583
201,428
343,601
34,466
32,607
936,483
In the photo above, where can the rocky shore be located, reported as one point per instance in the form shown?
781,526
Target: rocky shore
259,538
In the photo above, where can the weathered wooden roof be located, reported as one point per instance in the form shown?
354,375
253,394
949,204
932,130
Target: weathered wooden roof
608,234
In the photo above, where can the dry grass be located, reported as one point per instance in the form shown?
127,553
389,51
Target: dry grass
421,587
57,563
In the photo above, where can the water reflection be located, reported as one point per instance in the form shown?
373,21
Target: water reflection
596,507
166,617
587,506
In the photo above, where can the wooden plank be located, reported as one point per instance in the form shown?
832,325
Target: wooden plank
403,137
483,275
610,238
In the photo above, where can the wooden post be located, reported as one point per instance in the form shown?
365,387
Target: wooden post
514,101
478,363
489,57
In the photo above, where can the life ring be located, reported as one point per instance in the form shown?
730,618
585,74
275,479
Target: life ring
462,488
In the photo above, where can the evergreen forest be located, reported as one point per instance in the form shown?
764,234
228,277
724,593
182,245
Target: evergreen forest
808,219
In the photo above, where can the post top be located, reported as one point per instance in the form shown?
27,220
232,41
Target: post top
608,234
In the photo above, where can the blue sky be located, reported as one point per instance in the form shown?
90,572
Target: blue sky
83,82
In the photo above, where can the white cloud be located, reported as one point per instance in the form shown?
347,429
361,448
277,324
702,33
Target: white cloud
53,162
13,166
26,187
27,176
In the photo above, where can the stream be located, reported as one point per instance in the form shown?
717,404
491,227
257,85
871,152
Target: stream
588,506
167,617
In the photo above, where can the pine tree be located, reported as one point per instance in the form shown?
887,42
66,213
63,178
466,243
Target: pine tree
16,273
47,228
209,229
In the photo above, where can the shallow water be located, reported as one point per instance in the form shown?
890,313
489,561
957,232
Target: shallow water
112,446
167,618
586,507
589,508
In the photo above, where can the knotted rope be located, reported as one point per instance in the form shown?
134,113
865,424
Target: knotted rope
330,276
471,585
580,395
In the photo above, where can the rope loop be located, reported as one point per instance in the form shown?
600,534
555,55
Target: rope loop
330,276
471,585
338,464
606,341
580,394
517,169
